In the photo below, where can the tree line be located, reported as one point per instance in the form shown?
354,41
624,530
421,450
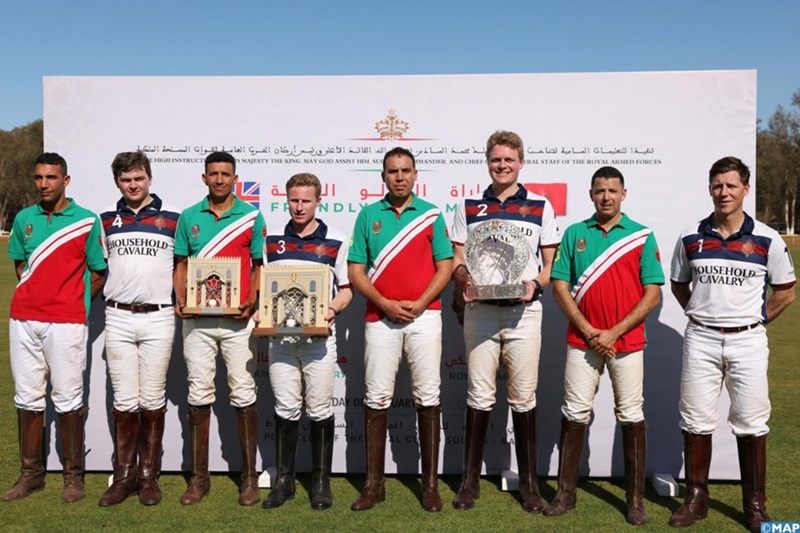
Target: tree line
777,168
19,148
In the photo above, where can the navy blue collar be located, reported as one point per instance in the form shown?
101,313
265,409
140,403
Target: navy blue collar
521,194
155,204
707,227
321,232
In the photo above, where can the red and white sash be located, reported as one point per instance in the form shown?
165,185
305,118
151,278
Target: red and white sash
606,260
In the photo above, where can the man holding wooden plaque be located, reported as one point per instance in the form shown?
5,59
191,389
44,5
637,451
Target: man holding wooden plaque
304,359
219,231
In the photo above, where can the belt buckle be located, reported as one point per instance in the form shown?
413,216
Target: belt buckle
139,308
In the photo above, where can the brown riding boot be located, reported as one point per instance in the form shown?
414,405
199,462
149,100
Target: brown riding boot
31,473
525,446
429,422
248,426
199,426
152,433
634,448
74,459
375,421
697,458
753,467
570,447
126,440
474,440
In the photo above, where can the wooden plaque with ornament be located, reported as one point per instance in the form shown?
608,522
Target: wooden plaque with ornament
213,287
294,301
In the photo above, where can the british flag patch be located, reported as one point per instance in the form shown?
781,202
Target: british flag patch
250,192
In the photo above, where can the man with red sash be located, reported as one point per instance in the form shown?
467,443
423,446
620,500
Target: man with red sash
220,225
400,260
607,278
59,259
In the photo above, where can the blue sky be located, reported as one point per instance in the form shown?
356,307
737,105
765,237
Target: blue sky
266,38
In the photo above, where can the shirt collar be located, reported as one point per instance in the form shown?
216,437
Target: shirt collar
386,204
236,208
520,194
320,232
66,212
622,222
707,227
156,204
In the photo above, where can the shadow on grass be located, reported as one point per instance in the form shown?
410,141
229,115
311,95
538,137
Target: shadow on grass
653,499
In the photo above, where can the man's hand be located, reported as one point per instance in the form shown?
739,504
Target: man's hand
396,312
604,342
414,307
330,316
531,290
467,299
246,309
179,305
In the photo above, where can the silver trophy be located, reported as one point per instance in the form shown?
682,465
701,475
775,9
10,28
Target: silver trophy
496,254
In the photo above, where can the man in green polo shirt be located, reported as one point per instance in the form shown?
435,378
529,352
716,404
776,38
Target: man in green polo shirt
400,260
607,278
220,225
60,263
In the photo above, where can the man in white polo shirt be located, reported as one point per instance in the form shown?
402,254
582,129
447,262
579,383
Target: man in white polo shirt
720,271
140,325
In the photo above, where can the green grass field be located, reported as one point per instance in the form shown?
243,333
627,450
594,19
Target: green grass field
600,508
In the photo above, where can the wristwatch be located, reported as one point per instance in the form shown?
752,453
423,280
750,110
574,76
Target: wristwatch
537,291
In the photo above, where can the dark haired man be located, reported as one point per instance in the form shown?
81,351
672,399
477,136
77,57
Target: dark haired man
60,263
720,271
140,325
220,225
607,278
400,260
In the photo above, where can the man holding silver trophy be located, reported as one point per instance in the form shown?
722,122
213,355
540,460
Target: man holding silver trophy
504,242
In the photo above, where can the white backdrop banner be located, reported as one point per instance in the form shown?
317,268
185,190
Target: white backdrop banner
663,130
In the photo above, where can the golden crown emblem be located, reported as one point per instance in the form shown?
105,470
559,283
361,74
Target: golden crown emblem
391,127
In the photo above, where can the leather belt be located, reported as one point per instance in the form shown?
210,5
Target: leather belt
136,308
501,303
732,329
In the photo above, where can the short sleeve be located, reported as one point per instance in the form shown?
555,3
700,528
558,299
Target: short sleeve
257,242
95,251
679,270
550,234
780,267
357,250
340,269
651,272
182,237
16,244
562,264
441,246
459,233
